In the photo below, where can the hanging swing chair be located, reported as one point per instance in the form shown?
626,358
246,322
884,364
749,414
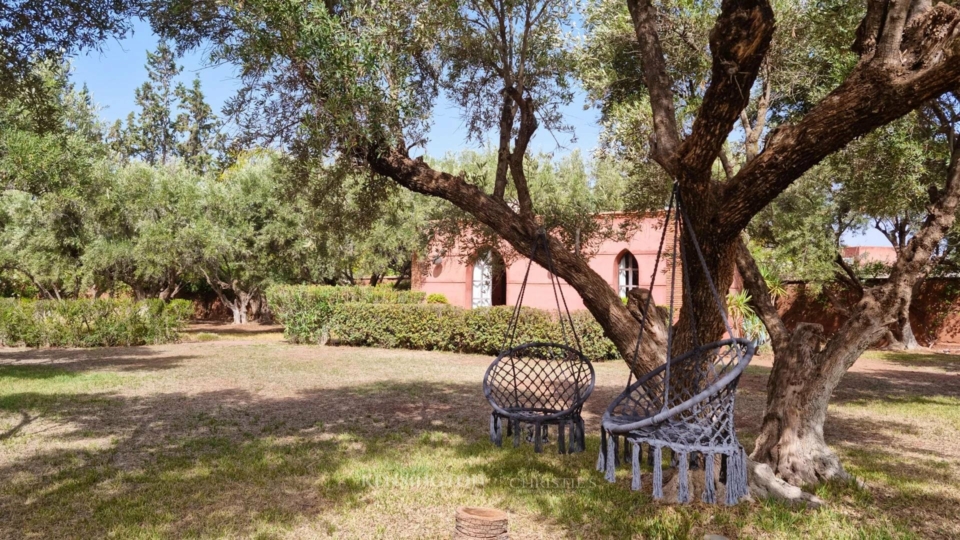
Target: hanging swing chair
686,404
540,384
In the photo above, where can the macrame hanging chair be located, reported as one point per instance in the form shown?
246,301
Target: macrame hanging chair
686,404
540,384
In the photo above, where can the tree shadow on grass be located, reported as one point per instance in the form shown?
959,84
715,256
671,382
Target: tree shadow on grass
911,488
881,384
236,463
214,463
119,358
947,362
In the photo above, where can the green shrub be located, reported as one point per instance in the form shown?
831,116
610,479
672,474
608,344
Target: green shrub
91,323
436,298
305,310
438,327
426,327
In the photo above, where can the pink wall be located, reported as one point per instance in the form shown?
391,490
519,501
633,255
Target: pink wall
453,276
868,254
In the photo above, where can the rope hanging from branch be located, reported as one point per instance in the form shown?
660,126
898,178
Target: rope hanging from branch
685,405
540,384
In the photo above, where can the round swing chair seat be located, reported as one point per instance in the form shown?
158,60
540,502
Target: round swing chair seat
537,385
695,422
685,405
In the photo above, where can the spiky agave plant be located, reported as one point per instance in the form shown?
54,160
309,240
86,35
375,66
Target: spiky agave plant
743,318
774,284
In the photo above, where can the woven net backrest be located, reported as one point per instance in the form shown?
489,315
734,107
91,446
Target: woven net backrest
704,364
713,368
544,377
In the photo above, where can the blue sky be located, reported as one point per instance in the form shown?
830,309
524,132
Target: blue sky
114,73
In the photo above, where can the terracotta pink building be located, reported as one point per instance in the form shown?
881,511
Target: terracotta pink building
870,254
483,279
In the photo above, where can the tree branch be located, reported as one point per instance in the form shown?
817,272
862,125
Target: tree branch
528,125
916,259
665,133
867,99
727,164
503,150
848,274
888,47
521,232
738,42
751,142
760,298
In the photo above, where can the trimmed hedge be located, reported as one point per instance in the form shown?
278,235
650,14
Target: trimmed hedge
381,317
450,328
305,310
91,323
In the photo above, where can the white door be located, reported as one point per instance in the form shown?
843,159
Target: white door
482,282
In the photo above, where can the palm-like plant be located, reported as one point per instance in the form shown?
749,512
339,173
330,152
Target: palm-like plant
774,284
743,318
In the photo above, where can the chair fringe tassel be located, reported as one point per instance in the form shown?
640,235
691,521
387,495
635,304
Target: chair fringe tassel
736,469
611,458
657,472
496,429
736,478
709,490
635,462
602,455
683,484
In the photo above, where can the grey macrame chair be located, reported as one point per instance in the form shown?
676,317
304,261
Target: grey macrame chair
685,405
540,384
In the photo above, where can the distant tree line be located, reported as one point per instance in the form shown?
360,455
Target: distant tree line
167,203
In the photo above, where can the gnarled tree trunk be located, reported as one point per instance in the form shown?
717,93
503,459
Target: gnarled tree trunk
907,340
807,367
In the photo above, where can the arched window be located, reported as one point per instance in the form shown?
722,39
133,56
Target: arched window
628,274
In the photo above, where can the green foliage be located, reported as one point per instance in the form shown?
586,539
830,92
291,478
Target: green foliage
450,328
306,311
56,147
437,298
46,31
743,318
568,192
354,227
141,232
378,317
157,134
91,323
774,284
808,57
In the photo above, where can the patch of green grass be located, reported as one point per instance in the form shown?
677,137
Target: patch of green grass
274,441
944,408
946,362
30,387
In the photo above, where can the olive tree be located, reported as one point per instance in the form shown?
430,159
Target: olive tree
356,81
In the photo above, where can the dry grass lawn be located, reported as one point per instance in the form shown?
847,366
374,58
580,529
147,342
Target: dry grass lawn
240,435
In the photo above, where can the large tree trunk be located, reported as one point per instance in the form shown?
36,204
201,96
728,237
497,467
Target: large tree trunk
906,337
171,286
791,437
240,307
807,368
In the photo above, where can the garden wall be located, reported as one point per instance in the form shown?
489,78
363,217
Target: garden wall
934,313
